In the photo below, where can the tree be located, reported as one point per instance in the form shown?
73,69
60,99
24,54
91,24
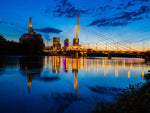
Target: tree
3,45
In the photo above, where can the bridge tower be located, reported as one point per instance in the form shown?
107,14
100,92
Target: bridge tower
76,48
77,32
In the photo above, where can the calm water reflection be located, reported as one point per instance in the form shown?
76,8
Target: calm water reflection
62,85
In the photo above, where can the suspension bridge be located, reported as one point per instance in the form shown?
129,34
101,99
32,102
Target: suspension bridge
87,42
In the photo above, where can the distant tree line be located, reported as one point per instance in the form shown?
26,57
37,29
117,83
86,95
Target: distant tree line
25,47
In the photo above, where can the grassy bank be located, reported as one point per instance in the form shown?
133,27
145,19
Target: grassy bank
132,100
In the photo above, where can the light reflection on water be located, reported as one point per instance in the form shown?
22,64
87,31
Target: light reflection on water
61,84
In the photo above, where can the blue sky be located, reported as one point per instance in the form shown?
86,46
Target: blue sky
122,21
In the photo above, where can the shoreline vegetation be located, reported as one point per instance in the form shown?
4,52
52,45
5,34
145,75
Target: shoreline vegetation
135,99
27,47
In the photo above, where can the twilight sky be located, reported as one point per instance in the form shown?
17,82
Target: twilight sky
120,21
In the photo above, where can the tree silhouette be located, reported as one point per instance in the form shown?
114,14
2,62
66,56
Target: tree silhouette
25,47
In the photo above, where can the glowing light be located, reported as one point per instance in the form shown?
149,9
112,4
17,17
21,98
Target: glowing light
129,73
76,83
143,70
116,71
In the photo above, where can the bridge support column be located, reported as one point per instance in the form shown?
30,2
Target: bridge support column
109,56
76,54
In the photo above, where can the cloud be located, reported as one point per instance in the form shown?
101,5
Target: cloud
147,16
68,12
104,8
122,19
108,22
65,9
129,5
145,0
142,0
2,22
121,4
118,8
120,14
47,37
49,30
65,3
98,21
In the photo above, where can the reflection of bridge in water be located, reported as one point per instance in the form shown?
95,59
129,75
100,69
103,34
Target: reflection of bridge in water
32,68
98,64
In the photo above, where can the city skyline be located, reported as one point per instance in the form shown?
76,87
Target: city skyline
122,21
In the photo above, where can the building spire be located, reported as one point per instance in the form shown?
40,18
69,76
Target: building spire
30,30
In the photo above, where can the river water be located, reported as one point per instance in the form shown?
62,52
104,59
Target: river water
55,84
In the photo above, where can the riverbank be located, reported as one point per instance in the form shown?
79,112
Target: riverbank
130,101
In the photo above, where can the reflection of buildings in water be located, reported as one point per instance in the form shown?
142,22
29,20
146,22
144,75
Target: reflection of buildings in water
91,63
79,63
65,65
139,66
116,71
129,73
31,74
82,63
143,70
76,83
105,70
86,64
45,61
29,80
50,58
96,65
55,64
109,62
75,70
105,65
130,67
61,60
75,65
130,61
31,67
124,63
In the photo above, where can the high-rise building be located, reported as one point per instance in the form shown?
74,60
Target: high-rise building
66,43
56,44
